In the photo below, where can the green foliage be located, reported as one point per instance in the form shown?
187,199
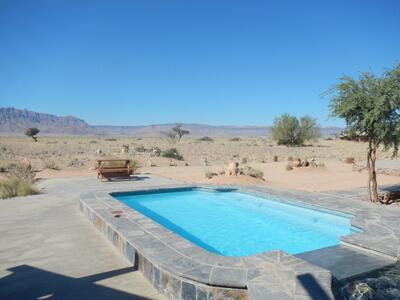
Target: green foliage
205,139
235,139
290,131
172,153
13,187
32,132
140,148
370,105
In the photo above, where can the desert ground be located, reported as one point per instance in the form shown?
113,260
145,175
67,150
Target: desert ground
59,157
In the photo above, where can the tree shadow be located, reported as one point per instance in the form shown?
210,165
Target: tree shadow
28,283
313,288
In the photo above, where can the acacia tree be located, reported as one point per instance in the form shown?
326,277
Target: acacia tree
180,132
370,105
32,132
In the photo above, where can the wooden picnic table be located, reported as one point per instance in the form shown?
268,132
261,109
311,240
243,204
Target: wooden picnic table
114,168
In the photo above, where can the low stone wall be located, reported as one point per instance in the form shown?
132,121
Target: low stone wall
172,286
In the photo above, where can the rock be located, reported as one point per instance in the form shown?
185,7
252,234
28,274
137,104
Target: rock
275,158
296,162
232,169
349,160
98,151
125,149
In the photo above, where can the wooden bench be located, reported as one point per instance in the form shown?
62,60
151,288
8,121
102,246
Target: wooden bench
114,168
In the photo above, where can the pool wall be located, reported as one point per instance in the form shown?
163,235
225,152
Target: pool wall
180,269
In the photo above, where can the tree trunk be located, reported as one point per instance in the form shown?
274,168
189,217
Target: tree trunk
372,182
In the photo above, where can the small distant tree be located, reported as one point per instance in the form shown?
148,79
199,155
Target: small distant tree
180,132
291,131
370,105
32,132
175,134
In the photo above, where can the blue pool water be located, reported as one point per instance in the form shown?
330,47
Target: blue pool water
231,223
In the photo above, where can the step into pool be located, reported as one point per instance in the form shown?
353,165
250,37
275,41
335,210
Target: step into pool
233,223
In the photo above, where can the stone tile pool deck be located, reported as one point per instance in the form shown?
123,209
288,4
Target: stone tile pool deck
48,249
182,270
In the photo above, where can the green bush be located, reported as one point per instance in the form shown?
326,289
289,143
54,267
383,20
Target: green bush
140,148
235,139
205,139
13,187
291,131
172,153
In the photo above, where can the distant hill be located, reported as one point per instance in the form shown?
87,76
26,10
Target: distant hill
15,121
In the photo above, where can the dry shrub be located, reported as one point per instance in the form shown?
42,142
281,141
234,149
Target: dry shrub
249,171
235,139
51,165
208,174
289,166
22,171
13,187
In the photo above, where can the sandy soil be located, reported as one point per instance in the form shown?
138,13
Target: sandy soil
75,156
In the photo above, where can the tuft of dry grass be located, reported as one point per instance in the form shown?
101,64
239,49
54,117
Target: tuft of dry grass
13,187
51,165
252,172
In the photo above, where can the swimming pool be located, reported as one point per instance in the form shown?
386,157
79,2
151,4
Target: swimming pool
231,223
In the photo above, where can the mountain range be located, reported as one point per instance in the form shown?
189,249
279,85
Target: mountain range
15,121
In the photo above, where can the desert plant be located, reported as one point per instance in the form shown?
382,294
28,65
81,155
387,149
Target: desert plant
290,131
22,171
171,136
289,166
205,139
249,171
180,132
32,132
245,160
275,158
140,148
235,139
209,174
13,187
156,151
50,164
172,153
370,106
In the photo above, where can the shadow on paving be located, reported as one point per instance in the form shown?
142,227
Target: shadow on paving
27,282
313,288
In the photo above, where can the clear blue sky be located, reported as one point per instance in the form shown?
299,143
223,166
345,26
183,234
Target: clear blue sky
216,62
